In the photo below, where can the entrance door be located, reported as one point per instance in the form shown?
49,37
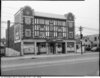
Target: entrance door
52,48
63,48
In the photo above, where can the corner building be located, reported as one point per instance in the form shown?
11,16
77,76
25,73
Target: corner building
43,33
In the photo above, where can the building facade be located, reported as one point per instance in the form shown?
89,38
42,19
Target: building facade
88,41
43,33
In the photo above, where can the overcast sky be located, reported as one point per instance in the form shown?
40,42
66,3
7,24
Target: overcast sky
86,12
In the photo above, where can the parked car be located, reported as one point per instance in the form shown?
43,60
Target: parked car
87,49
95,49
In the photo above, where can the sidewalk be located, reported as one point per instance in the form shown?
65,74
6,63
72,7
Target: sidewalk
40,56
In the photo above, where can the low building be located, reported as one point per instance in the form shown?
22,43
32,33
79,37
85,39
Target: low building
2,48
88,41
39,33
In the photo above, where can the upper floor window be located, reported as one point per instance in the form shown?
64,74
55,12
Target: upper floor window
35,21
41,21
28,32
47,22
63,23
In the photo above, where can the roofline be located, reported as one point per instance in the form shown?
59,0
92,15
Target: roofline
18,11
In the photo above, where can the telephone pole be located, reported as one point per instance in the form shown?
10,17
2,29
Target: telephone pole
80,29
8,25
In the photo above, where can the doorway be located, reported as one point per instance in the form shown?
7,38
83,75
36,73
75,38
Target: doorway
52,48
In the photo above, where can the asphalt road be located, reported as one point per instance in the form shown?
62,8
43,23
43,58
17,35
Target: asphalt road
72,65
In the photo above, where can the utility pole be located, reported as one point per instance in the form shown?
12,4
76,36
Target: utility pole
80,29
8,25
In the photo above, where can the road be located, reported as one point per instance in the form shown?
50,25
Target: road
87,64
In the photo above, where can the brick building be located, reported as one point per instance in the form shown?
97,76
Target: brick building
42,33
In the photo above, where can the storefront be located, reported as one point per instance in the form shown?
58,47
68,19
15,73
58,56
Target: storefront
50,47
28,48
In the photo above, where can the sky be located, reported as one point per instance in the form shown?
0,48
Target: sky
86,12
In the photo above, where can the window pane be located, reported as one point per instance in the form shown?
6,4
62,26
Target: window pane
35,20
37,34
47,22
41,21
64,29
35,27
63,23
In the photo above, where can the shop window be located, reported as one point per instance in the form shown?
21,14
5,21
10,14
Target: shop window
28,32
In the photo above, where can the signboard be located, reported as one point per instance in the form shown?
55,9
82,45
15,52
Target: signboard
17,32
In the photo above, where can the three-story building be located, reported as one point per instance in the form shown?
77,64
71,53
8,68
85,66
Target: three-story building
39,33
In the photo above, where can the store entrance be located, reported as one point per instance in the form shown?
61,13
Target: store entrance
52,48
63,48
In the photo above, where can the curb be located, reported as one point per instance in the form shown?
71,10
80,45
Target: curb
40,56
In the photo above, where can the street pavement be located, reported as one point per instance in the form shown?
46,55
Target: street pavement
86,64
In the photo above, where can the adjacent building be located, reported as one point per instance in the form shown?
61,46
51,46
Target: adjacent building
42,33
88,41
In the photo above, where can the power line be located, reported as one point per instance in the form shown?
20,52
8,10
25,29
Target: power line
75,26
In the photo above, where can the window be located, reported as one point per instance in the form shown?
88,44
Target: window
54,28
63,23
71,35
51,21
28,32
60,33
41,21
56,34
35,21
64,34
38,26
55,22
35,27
42,34
47,22
51,27
64,29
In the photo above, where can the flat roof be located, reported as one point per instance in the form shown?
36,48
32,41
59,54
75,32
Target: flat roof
49,15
